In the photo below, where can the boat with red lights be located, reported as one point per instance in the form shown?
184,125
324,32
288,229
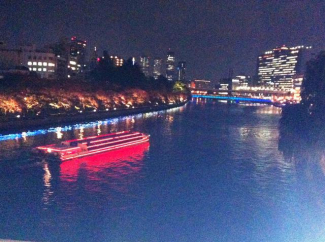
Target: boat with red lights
77,148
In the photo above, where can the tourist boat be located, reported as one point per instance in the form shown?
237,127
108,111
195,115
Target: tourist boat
77,148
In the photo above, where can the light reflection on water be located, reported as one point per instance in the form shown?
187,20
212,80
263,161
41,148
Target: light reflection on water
109,174
214,172
82,126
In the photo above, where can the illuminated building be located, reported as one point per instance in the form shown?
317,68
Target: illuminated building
297,83
201,84
277,67
118,61
181,71
157,67
77,53
42,62
225,84
170,65
145,65
240,81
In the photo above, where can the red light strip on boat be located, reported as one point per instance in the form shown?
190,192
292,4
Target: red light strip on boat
106,143
145,139
96,141
93,137
53,149
104,150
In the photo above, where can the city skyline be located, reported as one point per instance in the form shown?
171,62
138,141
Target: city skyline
211,37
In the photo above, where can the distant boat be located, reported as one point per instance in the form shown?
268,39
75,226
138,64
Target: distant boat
77,148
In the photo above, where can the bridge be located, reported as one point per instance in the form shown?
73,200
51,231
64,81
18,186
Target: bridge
242,91
231,98
259,95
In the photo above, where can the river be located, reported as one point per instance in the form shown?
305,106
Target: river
212,172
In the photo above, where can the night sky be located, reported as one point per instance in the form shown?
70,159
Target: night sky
212,36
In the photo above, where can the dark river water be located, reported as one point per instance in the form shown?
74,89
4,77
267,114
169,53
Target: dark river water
211,172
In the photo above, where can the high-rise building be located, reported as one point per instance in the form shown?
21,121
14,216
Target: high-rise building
181,71
77,56
145,65
277,67
93,60
170,65
157,67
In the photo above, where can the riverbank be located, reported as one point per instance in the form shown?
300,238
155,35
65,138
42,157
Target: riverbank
57,120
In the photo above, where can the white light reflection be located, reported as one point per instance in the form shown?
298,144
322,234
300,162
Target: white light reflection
99,131
81,133
47,177
59,134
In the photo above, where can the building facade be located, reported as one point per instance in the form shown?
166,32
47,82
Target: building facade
145,65
277,67
118,61
170,66
157,67
201,84
77,55
181,71
42,62
240,81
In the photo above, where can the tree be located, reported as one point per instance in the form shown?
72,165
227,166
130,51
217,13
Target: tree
313,86
179,87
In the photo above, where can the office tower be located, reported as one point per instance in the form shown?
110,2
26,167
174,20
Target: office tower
277,67
93,60
181,71
77,56
145,65
157,67
170,65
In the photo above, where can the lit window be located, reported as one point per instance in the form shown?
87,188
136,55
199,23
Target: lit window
51,64
30,68
39,69
29,63
34,69
44,69
34,63
40,63
44,63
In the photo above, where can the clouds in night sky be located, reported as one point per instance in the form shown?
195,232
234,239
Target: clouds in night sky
212,36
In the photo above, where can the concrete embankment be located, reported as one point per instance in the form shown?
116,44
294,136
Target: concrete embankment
49,121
